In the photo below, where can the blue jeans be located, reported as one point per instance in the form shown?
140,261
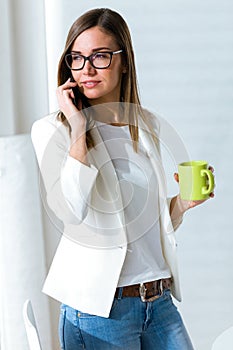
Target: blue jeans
132,325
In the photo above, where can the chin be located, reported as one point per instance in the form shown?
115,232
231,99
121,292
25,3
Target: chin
91,95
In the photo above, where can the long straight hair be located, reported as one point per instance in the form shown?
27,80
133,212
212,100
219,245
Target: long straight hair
112,23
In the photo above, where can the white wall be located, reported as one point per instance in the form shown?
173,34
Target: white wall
184,57
23,83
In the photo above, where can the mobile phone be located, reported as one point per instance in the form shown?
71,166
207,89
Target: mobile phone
77,93
79,96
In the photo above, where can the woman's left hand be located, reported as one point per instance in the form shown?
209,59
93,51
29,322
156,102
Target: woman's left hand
192,204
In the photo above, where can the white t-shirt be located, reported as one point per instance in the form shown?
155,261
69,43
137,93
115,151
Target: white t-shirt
144,260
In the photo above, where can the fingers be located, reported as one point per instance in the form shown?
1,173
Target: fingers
176,177
72,93
211,169
65,97
67,86
72,112
67,94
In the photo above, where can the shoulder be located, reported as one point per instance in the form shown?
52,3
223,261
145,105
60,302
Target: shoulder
49,121
151,120
48,126
47,132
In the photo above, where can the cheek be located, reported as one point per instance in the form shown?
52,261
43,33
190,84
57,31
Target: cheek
115,75
76,77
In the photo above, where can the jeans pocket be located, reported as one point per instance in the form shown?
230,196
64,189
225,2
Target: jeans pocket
61,326
115,303
85,315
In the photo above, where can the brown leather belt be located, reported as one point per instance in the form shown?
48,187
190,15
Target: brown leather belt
148,291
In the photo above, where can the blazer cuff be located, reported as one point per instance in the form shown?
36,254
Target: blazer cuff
177,222
77,180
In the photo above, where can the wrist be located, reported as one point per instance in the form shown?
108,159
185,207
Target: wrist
177,207
77,122
181,205
78,141
78,150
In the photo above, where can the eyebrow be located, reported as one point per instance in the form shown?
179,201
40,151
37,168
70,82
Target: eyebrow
95,49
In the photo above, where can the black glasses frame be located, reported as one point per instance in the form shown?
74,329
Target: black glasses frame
90,59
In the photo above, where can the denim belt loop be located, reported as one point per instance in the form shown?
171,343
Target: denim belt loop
120,291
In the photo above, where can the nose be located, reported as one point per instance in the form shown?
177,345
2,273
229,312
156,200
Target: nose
88,68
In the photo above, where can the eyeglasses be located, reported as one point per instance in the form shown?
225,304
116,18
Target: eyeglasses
98,60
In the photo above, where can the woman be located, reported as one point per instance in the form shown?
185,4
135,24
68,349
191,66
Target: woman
115,267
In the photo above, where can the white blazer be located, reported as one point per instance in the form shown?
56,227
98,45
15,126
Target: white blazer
86,267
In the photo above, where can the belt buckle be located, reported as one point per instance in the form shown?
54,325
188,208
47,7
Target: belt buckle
142,292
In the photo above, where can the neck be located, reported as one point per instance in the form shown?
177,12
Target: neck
109,113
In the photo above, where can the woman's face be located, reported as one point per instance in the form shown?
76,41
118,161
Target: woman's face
98,85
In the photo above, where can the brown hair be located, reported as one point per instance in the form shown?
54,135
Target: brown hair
112,23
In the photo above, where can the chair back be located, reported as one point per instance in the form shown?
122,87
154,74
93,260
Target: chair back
224,340
30,326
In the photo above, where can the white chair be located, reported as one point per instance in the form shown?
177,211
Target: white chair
224,340
30,326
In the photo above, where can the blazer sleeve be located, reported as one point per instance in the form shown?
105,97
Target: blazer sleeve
67,182
157,129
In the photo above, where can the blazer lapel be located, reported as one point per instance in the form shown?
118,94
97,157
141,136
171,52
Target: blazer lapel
154,155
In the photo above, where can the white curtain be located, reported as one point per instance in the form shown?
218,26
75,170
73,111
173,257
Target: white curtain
24,98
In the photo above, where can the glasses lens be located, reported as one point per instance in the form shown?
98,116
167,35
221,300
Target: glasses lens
101,59
74,61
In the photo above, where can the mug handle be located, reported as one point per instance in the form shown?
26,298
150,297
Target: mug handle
210,176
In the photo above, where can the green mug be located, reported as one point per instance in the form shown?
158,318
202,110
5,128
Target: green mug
195,179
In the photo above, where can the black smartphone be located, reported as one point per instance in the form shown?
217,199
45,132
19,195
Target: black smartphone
79,96
77,93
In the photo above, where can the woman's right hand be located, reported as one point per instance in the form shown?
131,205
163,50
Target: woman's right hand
75,118
73,114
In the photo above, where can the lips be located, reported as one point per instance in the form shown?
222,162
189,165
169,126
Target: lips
90,83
